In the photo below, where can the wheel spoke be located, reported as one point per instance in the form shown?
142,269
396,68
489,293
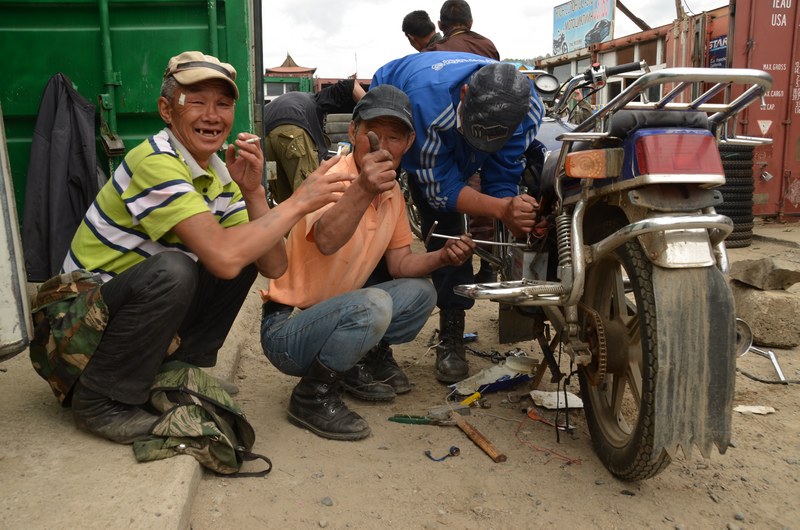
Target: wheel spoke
634,379
618,402
618,299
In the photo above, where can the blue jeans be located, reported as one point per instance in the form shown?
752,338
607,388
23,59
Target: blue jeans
342,329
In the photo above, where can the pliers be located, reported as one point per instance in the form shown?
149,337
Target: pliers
419,420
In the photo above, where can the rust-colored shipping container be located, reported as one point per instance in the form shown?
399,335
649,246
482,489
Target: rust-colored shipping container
766,36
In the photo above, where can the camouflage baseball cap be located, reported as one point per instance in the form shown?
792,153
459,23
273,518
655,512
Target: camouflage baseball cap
193,67
496,102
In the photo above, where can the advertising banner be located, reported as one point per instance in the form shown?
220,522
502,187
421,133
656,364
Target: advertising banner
581,23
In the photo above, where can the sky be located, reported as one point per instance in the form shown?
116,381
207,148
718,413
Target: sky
359,36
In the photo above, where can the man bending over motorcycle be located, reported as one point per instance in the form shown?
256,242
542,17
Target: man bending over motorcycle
470,112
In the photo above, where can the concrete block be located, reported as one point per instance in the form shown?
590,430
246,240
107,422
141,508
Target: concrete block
772,315
766,273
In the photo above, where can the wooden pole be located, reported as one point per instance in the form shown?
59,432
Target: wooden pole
479,439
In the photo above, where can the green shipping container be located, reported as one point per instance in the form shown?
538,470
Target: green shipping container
115,52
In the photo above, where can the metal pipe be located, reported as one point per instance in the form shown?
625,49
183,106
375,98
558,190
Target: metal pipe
213,39
108,65
481,241
719,225
578,255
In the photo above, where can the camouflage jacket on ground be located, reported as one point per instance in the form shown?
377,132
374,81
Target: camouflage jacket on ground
69,317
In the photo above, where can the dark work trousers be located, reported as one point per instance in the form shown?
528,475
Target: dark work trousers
148,304
445,278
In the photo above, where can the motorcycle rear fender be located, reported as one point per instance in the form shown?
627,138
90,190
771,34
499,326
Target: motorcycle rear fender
674,248
696,360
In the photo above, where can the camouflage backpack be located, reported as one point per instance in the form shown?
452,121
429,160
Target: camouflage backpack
199,418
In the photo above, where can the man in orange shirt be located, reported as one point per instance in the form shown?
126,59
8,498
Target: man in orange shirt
331,254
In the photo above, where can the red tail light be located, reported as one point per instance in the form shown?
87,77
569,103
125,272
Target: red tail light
678,153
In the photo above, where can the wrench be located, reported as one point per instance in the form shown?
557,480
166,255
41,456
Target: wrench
479,241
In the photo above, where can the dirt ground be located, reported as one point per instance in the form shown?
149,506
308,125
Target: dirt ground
386,481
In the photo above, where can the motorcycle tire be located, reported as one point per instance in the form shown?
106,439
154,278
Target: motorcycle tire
620,408
411,209
737,196
739,243
734,164
732,205
735,152
739,176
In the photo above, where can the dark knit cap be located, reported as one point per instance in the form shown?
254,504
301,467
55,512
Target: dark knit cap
496,102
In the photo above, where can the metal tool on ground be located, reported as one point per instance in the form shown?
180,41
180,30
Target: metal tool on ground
472,398
442,412
454,451
420,420
431,234
454,418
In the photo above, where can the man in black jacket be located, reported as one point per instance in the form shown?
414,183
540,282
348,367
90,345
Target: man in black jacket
293,128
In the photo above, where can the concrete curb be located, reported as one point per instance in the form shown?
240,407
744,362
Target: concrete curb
55,476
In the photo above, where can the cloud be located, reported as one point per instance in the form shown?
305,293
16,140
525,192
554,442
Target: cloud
340,38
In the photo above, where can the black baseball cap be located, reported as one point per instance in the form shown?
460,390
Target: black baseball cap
385,101
496,102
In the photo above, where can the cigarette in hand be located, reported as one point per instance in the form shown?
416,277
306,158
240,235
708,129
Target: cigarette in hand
252,140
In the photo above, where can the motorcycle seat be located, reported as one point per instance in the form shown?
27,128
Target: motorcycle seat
625,122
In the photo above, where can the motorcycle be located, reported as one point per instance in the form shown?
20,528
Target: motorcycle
629,278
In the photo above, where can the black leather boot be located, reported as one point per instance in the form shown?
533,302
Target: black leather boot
359,383
451,359
101,415
380,362
317,406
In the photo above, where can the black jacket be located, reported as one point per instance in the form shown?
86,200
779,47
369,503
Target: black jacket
62,177
308,110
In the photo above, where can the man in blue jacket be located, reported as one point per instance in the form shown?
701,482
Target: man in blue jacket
470,112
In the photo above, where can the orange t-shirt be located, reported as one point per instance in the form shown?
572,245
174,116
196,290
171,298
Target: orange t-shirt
313,277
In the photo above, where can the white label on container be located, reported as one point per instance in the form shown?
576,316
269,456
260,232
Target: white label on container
764,125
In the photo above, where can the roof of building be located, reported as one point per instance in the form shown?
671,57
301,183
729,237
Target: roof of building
289,67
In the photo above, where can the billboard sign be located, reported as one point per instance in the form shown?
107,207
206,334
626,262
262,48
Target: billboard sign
581,23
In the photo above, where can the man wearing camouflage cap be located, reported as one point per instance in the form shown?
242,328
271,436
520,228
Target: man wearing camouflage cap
165,256
470,112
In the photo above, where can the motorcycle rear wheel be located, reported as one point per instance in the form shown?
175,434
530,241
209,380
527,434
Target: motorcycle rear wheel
618,388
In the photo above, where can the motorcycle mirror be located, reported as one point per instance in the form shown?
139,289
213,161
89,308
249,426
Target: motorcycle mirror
744,337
